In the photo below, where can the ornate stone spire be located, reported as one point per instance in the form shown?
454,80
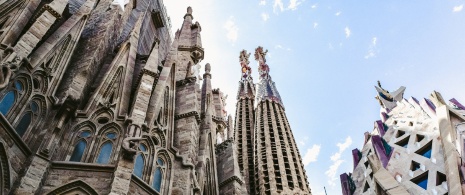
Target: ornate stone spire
246,86
266,88
245,68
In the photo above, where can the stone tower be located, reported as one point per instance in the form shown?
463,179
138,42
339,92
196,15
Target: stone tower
277,165
245,121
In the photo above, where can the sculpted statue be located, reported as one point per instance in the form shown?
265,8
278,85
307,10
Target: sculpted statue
130,143
244,60
7,68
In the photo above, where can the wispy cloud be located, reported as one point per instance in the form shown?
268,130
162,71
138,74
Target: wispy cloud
293,4
337,161
347,31
457,8
315,24
262,2
372,50
284,48
278,6
265,17
314,6
311,155
338,13
232,30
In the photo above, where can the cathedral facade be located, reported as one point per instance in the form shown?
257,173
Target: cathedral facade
98,97
417,147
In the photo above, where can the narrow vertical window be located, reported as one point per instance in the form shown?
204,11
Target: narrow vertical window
106,148
158,175
10,97
80,147
31,113
78,151
105,153
140,161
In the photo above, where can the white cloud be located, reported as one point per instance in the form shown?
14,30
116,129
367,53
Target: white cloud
265,16
262,2
347,31
457,8
332,171
314,6
315,24
293,4
312,154
372,50
336,158
278,4
338,13
288,49
232,29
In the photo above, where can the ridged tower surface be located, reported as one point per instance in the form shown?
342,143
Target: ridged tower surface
278,165
244,122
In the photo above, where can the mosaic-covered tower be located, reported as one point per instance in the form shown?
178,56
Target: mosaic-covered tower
415,148
278,167
245,121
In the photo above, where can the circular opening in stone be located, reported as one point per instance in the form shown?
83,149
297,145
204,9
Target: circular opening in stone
103,120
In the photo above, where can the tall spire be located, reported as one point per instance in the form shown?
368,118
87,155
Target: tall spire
246,85
266,89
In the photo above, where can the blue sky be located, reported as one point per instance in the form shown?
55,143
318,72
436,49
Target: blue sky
326,56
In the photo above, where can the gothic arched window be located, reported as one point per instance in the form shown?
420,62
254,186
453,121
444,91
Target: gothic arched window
31,113
10,97
158,174
139,165
106,148
80,147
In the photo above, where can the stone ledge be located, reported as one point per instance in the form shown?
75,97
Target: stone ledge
79,166
185,115
233,178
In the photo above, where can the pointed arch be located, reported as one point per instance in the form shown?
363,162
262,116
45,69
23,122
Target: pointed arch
109,137
73,188
81,138
29,118
5,182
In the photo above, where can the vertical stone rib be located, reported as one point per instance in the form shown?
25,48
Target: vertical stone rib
301,178
244,120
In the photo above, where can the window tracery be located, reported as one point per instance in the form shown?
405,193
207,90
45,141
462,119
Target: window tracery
106,148
15,91
83,139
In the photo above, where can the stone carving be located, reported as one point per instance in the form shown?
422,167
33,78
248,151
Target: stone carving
130,143
244,60
7,69
263,68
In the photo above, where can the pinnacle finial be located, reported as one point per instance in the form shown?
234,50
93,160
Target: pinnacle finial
207,68
189,13
263,68
244,60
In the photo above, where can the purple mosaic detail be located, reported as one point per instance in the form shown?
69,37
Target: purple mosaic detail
457,103
356,156
380,126
415,99
430,104
384,115
345,186
380,150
